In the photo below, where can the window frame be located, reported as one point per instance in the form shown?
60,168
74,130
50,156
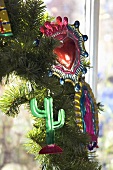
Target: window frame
92,30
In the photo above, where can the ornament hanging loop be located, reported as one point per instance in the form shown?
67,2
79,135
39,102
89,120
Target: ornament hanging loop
48,92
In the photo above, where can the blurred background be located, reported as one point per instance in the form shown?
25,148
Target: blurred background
13,131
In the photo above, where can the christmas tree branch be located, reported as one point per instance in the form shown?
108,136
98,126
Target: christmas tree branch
17,95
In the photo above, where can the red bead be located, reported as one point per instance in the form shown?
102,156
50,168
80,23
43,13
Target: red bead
65,21
59,20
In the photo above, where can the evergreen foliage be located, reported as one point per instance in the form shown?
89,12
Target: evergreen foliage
29,65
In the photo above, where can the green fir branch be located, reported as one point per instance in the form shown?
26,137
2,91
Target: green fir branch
25,17
17,95
11,100
18,53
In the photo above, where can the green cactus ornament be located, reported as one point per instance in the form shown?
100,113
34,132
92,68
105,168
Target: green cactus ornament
51,125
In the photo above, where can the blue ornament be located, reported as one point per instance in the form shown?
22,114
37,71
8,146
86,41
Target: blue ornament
76,24
36,42
50,74
77,87
85,37
84,70
61,81
86,54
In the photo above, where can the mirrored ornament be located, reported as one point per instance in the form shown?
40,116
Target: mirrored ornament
50,73
85,37
76,24
77,87
71,50
36,42
62,81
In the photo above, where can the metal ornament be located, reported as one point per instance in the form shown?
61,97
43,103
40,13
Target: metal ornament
86,113
71,52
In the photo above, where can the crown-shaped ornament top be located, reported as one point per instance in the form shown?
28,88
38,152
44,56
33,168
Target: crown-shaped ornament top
71,52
